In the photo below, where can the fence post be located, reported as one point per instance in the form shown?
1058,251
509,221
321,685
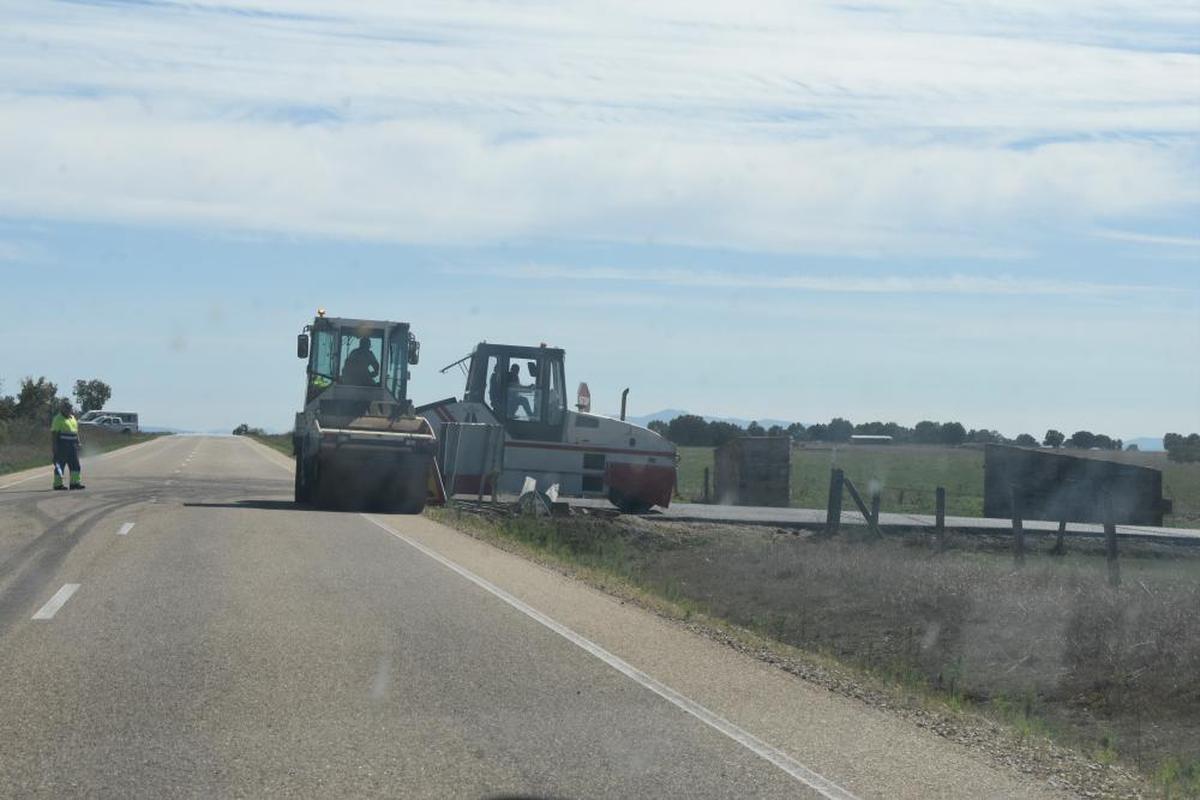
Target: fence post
706,494
1060,546
1110,543
862,507
1018,527
876,500
939,525
833,513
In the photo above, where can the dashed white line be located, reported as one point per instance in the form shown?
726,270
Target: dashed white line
125,529
58,601
815,781
383,677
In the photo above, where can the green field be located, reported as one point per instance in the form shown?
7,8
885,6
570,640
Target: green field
910,474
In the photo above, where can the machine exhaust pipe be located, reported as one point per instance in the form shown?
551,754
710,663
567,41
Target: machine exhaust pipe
624,397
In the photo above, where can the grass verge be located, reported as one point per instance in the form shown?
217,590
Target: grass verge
25,445
276,441
1046,666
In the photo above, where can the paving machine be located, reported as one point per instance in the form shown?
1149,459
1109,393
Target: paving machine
358,441
522,390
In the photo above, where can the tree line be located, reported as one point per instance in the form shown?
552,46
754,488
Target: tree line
37,400
1182,448
692,430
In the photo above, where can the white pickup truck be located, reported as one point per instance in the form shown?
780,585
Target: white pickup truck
118,421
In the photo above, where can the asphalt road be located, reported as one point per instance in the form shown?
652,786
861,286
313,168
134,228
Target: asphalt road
181,629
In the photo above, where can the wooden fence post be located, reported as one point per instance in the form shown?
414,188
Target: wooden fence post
876,501
1018,528
1060,546
833,513
706,494
1110,543
862,507
939,525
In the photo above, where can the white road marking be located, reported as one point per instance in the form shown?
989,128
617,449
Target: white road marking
383,677
125,529
58,601
818,783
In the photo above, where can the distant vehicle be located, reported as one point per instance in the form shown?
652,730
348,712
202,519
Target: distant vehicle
117,421
523,389
112,422
357,441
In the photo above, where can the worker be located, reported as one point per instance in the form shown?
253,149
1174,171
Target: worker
361,367
515,398
496,389
64,437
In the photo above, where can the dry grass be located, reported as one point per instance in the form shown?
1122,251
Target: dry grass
24,445
1049,648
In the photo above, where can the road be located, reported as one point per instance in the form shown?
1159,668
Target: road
180,628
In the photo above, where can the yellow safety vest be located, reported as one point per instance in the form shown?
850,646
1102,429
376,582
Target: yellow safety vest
65,429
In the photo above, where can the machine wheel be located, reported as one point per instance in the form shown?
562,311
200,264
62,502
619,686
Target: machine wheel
410,494
628,505
303,489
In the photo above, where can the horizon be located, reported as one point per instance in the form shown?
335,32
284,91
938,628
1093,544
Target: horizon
902,211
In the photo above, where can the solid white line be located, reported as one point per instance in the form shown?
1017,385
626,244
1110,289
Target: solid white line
58,601
813,780
126,528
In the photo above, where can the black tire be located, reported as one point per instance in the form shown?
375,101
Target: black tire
628,505
126,431
303,491
410,493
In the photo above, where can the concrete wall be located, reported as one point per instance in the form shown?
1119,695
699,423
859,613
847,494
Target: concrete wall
754,471
1056,486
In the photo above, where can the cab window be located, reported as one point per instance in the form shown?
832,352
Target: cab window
361,355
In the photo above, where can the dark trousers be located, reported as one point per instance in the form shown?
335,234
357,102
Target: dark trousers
66,456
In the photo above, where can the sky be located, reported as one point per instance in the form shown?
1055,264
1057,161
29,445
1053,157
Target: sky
920,209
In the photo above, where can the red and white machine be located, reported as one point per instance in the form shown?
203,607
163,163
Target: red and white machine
522,391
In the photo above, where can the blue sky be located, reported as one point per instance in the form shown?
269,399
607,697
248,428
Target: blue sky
954,210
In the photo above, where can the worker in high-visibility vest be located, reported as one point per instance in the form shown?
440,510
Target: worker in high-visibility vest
64,436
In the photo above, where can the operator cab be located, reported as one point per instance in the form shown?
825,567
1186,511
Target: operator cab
357,361
523,387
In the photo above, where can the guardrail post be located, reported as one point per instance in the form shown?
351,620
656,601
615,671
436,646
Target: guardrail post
1110,543
1060,546
833,513
939,523
1018,528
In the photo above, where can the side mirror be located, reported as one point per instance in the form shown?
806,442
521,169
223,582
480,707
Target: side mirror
414,351
302,346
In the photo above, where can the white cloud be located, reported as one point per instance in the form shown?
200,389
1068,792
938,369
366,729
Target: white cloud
932,128
1149,238
21,252
874,284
